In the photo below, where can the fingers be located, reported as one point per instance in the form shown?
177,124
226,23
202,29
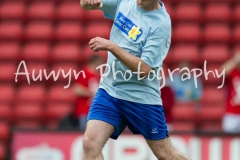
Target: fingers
89,2
96,3
93,45
92,41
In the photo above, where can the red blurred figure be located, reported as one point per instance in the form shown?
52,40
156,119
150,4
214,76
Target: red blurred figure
167,96
168,100
85,89
231,120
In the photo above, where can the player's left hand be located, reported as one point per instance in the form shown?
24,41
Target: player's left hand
97,44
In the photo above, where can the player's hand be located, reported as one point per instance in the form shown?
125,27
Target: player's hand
97,44
95,3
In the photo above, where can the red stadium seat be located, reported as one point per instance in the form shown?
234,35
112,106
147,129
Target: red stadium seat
213,95
39,31
56,111
211,126
58,94
237,13
11,30
41,10
31,93
188,12
169,57
5,112
70,10
217,33
5,131
236,48
28,111
9,51
39,51
183,126
29,125
92,30
52,124
94,15
69,31
12,10
213,79
217,12
7,94
66,67
67,52
212,112
7,71
236,34
215,53
187,32
185,53
183,112
3,151
169,9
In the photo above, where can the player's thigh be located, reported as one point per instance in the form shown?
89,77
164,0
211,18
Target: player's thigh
97,133
161,148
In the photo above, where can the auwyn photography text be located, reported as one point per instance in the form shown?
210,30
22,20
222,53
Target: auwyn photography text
194,73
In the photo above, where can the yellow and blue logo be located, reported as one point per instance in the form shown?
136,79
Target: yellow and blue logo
128,27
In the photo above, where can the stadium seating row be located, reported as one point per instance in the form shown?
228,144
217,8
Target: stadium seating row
71,10
72,52
212,32
194,11
45,31
47,10
39,93
35,116
42,51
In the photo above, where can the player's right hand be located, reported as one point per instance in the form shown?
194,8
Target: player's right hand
95,3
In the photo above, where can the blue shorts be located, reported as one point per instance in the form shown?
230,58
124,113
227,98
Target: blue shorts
148,120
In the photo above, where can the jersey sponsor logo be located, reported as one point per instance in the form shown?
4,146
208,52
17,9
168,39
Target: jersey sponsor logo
128,27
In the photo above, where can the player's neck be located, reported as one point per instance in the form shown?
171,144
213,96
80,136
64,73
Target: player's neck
151,6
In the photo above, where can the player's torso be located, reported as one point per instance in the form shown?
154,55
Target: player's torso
131,28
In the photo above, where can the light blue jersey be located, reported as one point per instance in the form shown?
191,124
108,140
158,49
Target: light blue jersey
144,34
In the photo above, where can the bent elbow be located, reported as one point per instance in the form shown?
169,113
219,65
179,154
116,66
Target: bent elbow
145,73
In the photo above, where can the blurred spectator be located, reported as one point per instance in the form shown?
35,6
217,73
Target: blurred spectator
168,100
85,89
167,96
185,90
231,119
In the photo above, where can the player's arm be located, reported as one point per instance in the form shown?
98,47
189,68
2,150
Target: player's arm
231,63
129,60
91,4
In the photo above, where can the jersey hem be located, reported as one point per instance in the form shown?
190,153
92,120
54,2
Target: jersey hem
128,99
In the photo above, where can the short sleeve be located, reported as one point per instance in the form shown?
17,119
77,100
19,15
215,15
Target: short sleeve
156,49
109,8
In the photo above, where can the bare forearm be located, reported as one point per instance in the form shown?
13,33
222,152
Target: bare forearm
229,65
129,60
81,91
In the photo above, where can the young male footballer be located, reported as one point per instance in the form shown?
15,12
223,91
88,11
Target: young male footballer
139,42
